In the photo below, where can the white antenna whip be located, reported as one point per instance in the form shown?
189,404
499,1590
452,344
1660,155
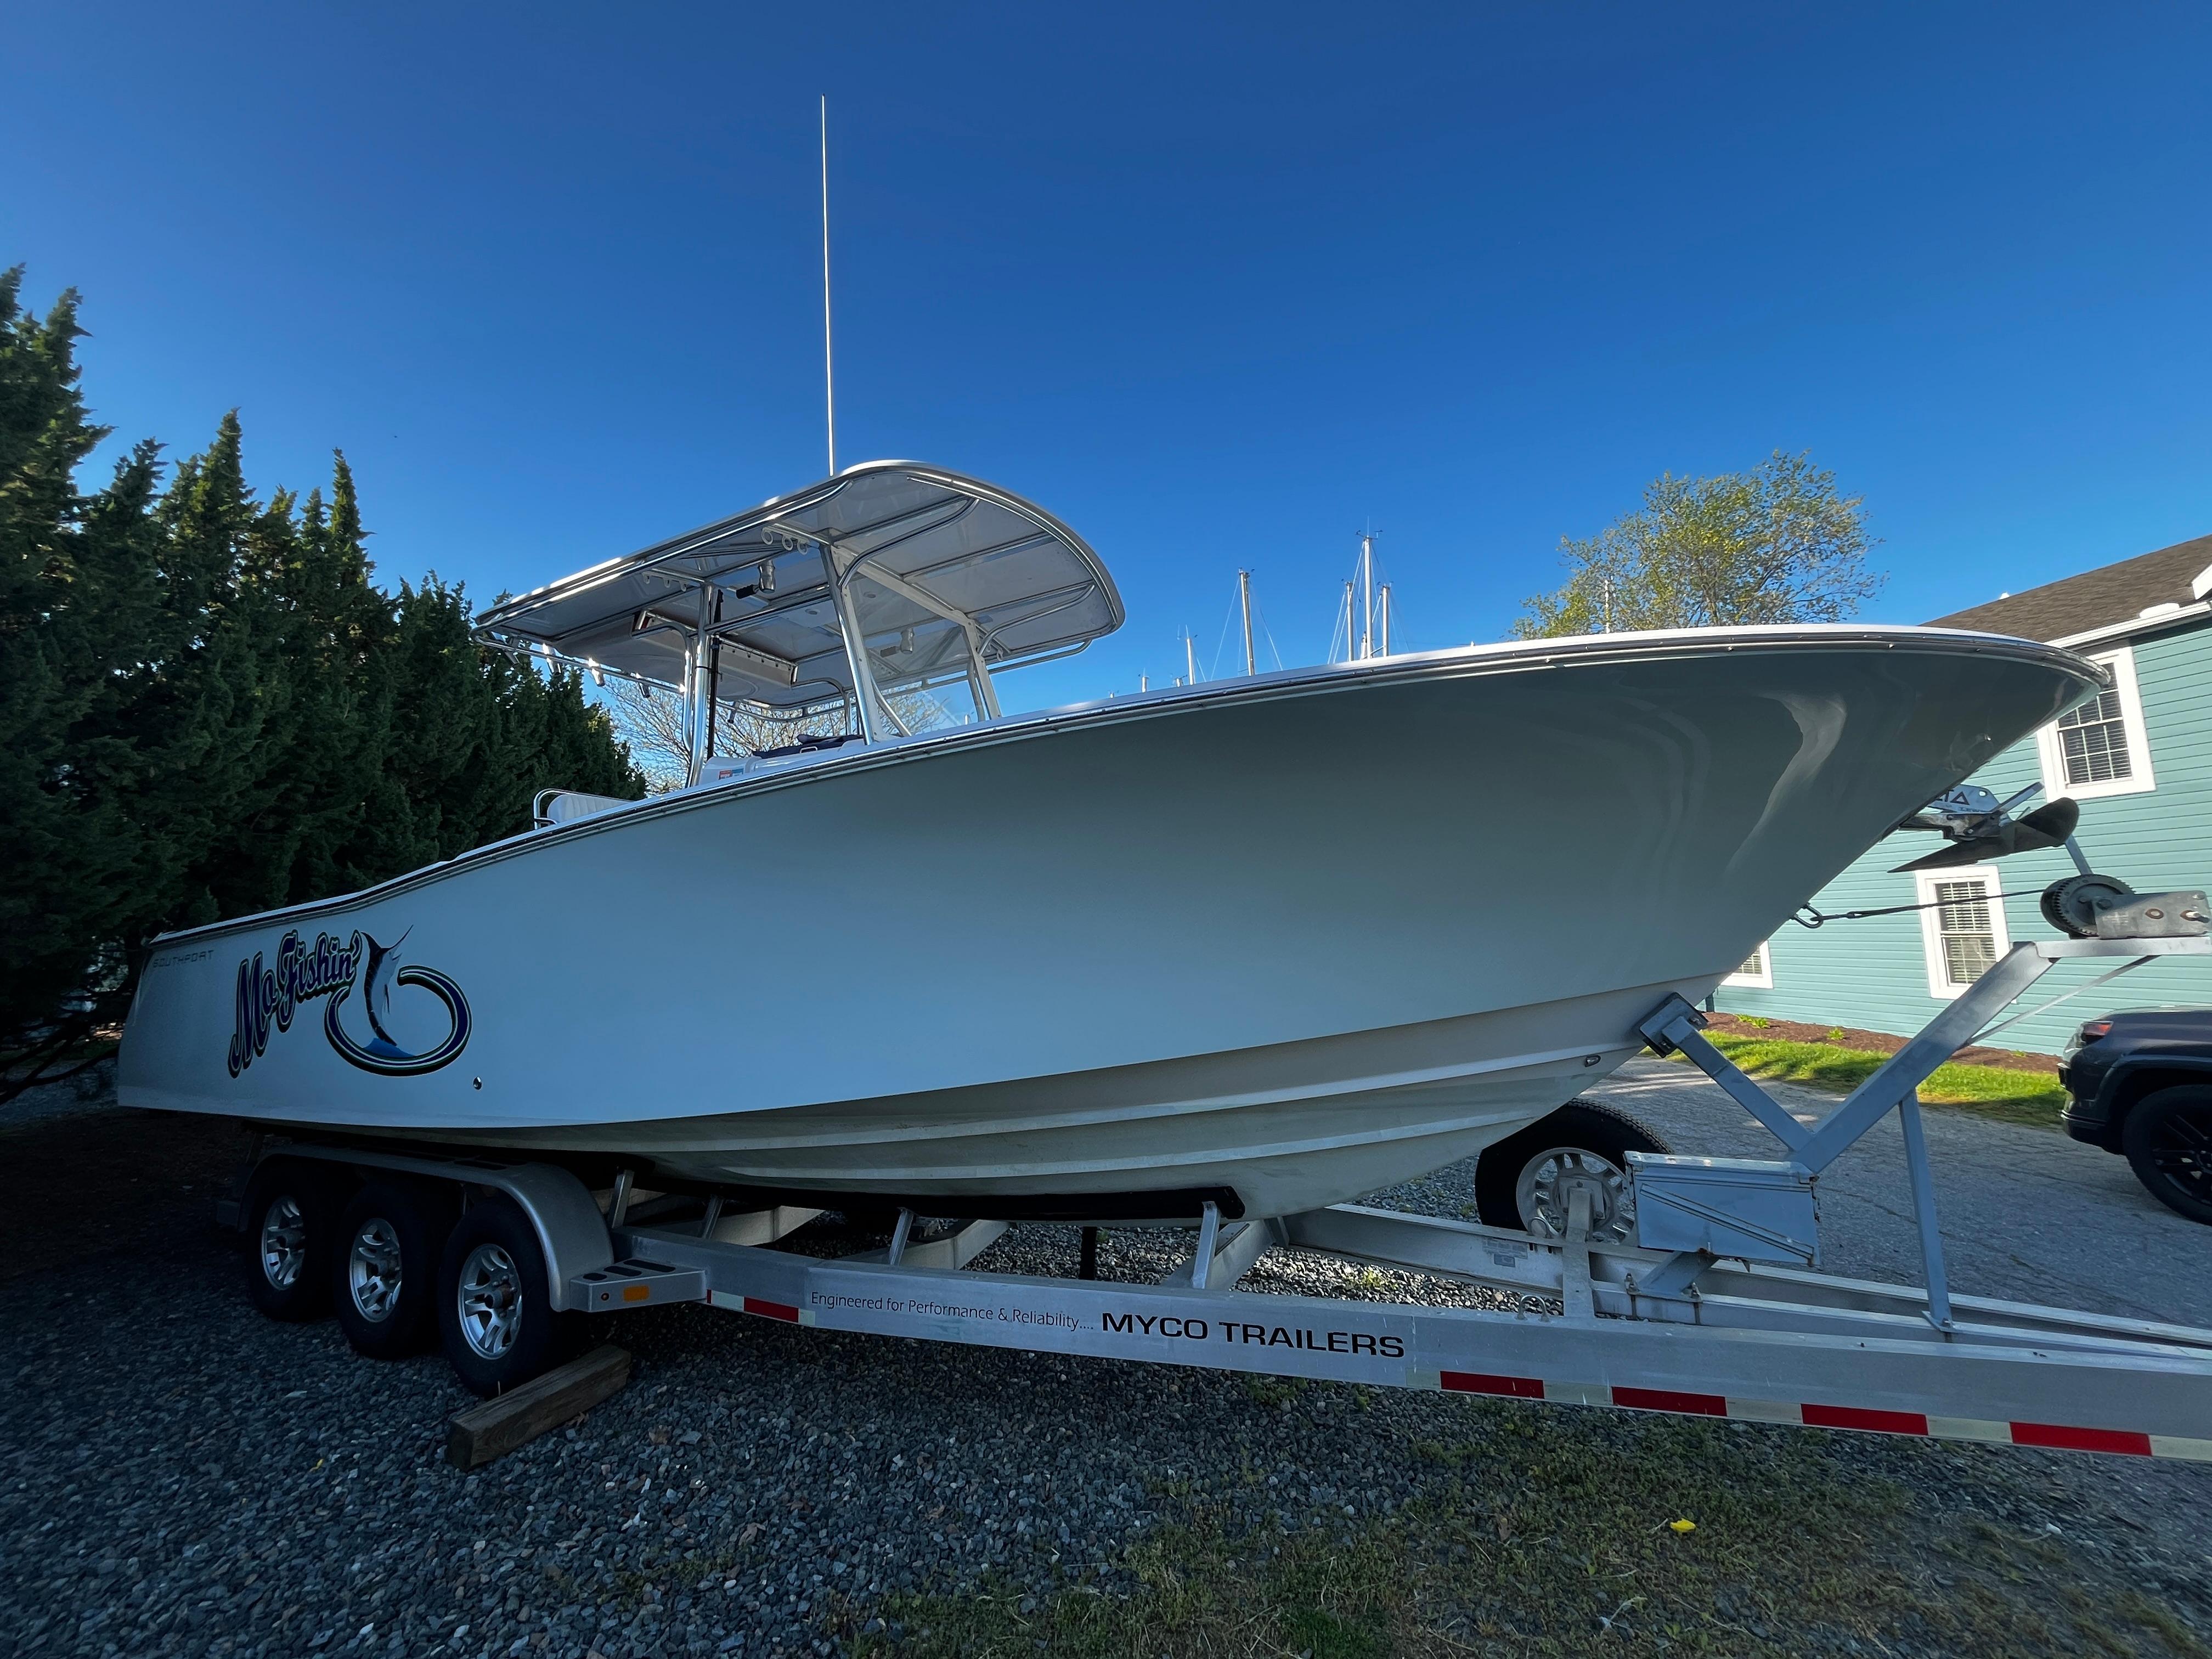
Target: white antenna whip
829,376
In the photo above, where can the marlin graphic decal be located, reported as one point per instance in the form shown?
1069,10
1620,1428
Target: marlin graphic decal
269,995
380,1053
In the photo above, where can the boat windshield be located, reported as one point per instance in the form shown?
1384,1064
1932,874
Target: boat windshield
878,602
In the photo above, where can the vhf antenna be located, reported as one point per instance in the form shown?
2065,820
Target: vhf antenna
829,375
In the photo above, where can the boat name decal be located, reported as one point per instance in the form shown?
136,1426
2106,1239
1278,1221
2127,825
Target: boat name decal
271,994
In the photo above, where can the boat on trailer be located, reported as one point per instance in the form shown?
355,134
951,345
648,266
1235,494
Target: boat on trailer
1263,944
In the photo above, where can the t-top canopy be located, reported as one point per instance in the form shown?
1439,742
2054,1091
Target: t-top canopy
939,571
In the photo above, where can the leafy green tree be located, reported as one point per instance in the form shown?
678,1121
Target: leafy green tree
1777,544
207,706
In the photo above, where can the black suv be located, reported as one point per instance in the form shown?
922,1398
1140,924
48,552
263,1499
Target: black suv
2141,1083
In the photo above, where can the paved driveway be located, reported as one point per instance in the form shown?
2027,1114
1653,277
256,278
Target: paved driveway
2027,1214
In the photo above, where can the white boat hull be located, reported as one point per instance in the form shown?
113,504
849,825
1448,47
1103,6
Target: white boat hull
1294,938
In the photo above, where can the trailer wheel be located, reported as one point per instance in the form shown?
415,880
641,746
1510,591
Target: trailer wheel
289,1212
385,1266
495,1318
1527,1180
2168,1140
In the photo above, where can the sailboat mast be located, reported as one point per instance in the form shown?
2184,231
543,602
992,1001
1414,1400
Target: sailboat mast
829,373
1367,595
1189,657
1385,598
1244,598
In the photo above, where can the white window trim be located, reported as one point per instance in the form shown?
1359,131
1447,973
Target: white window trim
2122,663
1931,935
1763,979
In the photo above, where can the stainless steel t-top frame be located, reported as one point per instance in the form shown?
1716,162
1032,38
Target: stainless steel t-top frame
890,577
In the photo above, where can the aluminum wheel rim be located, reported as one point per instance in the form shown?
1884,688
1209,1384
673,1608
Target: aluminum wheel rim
373,1269
283,1242
490,1298
1547,1187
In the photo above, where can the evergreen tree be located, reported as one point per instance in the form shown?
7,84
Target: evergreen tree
58,827
208,709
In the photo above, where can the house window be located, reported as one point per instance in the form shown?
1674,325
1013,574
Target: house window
2100,748
1757,972
2092,743
1962,929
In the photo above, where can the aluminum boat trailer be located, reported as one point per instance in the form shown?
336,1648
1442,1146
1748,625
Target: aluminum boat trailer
1715,1312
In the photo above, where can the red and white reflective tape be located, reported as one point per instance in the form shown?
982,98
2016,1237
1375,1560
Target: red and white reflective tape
755,1306
2125,1441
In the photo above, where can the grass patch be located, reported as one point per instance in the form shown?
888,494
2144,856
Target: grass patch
2031,1098
1545,1531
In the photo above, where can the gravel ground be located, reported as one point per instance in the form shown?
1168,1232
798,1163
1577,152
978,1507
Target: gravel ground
179,1476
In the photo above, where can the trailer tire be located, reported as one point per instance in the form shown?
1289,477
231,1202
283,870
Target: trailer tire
1517,1181
495,1317
2167,1136
385,1266
290,1215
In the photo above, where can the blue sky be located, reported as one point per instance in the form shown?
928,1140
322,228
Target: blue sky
1219,290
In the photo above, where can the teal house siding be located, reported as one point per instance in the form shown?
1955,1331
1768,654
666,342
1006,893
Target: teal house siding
1875,973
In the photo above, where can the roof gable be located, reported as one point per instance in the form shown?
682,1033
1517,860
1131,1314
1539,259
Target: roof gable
2096,598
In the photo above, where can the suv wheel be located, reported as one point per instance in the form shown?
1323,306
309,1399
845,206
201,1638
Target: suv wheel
2168,1140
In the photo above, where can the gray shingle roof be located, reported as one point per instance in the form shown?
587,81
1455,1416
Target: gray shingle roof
2095,599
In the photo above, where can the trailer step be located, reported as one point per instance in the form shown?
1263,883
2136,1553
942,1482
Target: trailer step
636,1282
